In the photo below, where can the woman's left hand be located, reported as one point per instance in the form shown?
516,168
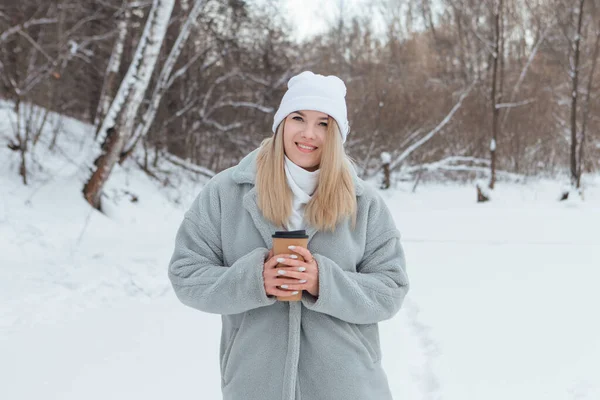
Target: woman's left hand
298,271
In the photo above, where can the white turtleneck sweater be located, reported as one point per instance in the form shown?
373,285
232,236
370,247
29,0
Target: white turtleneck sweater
303,184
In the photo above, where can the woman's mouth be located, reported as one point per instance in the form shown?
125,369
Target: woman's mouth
305,148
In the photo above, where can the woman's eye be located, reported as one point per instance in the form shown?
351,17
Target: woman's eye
297,118
323,124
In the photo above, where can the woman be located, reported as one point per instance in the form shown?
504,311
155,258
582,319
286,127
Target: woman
326,346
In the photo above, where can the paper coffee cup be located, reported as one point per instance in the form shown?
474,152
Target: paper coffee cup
281,241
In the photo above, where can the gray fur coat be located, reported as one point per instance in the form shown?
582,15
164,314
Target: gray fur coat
324,348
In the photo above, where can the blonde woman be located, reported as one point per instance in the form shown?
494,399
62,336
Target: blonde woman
326,345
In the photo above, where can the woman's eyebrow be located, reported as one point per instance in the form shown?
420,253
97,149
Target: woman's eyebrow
301,113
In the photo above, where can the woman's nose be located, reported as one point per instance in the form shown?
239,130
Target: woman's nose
309,132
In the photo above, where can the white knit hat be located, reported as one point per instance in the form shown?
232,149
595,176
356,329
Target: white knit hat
308,91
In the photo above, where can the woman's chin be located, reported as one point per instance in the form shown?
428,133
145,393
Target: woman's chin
307,165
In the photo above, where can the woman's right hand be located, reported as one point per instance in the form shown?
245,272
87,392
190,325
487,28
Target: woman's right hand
271,276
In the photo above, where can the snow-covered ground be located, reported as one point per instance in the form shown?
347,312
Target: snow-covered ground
503,304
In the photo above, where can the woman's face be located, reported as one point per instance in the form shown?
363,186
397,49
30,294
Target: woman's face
303,138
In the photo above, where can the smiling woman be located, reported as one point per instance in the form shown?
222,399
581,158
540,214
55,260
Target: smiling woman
303,137
325,343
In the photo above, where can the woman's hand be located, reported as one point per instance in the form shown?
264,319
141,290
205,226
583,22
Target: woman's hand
271,276
295,274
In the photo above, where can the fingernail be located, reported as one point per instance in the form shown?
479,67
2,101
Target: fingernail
281,272
294,256
284,286
296,292
303,281
301,269
291,247
280,260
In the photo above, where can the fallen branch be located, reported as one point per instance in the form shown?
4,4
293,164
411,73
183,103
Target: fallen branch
408,151
513,105
188,166
460,168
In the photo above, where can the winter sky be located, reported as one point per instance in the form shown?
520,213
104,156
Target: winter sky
311,17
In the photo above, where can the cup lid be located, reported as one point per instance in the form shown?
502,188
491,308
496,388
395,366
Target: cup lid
300,234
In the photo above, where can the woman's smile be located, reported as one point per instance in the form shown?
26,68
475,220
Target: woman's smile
305,148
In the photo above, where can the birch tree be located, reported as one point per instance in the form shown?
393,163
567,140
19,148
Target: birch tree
114,64
120,119
165,79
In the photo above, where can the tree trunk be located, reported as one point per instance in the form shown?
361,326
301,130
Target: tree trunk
164,79
128,99
496,94
21,143
428,17
461,44
481,197
586,107
112,71
385,184
90,70
574,95
113,143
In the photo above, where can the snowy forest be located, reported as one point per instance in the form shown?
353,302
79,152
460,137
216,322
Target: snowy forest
477,122
458,89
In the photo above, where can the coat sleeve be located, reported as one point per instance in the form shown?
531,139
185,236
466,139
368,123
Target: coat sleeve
377,289
196,269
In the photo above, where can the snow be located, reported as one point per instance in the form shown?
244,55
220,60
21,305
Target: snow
138,12
501,306
386,157
493,145
484,188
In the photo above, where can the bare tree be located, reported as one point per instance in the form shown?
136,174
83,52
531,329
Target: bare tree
574,73
221,72
32,62
114,64
578,40
587,106
497,79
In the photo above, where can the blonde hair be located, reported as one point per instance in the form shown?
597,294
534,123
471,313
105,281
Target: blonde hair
334,197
